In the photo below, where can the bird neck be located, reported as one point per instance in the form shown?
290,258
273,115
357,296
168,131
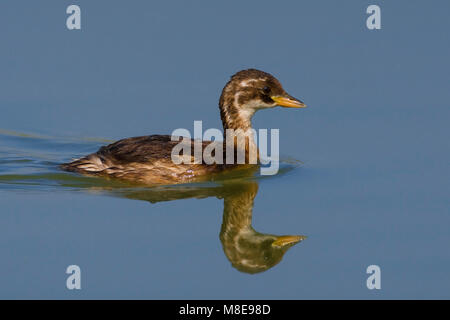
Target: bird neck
237,125
235,117
237,212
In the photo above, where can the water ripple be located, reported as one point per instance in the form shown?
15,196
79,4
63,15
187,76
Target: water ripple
30,161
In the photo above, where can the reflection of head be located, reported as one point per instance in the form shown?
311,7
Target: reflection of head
248,250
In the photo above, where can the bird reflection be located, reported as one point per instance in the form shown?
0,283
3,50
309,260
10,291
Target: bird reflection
248,250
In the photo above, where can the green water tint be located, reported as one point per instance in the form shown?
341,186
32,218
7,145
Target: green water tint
247,249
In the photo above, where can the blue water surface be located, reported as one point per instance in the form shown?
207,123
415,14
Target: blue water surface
365,167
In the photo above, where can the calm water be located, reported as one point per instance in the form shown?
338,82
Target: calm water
365,170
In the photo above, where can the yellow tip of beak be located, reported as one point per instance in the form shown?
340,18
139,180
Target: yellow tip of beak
288,102
287,240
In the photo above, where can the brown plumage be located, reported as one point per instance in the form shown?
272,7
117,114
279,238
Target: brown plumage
148,159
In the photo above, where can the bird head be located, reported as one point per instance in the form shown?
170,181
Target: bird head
249,91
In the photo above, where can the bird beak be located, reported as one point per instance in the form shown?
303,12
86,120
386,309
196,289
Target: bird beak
288,102
284,241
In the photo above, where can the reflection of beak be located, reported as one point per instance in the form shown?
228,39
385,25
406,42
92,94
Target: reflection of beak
284,241
288,102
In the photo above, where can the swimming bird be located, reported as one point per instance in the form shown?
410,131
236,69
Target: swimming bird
148,159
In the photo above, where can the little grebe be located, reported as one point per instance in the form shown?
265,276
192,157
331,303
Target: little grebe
148,159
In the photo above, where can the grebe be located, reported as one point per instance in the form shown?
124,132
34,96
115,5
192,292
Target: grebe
148,159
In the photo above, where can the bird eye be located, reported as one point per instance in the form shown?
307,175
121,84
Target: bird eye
266,90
